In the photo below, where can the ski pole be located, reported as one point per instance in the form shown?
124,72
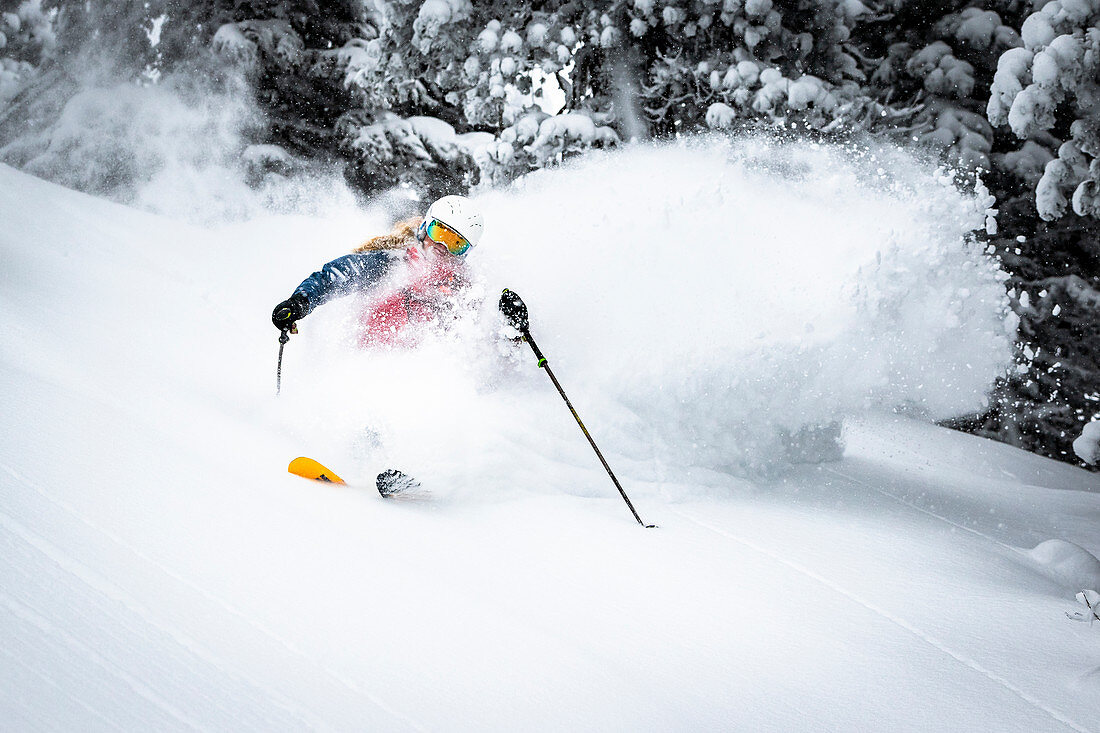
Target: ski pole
515,311
284,336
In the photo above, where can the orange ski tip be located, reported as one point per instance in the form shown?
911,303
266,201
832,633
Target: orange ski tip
311,469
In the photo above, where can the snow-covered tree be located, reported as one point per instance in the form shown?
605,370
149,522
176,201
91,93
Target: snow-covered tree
477,69
935,66
26,38
1087,444
399,127
1050,83
730,63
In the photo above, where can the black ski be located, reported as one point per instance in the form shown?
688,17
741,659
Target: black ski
392,481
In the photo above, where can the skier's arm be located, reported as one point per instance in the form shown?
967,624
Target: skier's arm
344,275
340,277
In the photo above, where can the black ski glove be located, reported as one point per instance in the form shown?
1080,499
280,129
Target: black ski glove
290,311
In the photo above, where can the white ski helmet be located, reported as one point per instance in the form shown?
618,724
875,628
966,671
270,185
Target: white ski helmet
460,214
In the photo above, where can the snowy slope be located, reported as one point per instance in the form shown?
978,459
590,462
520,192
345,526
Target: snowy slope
161,571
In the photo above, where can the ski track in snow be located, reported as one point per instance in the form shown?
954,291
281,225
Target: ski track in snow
892,618
16,659
922,510
29,616
79,573
96,583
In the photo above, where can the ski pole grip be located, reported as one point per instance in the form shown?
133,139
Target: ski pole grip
514,310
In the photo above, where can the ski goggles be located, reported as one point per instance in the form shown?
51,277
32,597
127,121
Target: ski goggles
440,233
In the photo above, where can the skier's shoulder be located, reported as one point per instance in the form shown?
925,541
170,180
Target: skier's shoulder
400,238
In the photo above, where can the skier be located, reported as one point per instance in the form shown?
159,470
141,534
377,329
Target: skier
412,275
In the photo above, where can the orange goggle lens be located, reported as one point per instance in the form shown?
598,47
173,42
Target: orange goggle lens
437,231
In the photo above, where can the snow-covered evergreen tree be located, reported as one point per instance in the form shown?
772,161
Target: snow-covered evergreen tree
1049,84
477,70
26,39
935,61
1087,444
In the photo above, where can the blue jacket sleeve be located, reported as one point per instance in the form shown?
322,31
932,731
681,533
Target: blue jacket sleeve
344,275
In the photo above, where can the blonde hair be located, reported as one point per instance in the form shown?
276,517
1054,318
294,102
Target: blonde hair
401,236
